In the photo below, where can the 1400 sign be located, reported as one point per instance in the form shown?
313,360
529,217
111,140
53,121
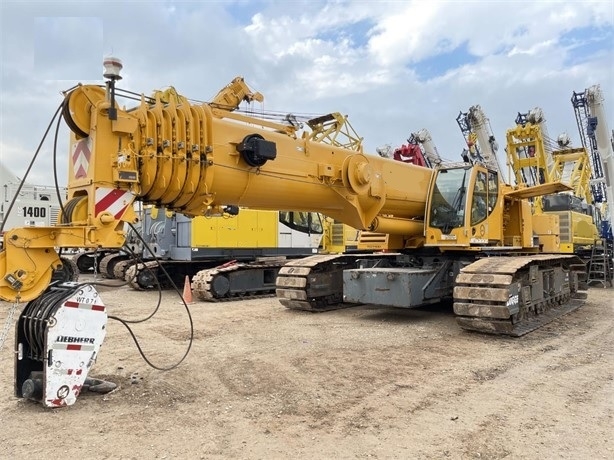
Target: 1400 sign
34,211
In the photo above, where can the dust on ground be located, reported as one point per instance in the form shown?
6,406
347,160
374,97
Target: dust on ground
262,381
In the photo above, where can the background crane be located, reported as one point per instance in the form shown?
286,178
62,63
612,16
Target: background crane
594,133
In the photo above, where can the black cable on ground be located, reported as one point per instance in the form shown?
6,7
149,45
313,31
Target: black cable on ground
137,258
127,322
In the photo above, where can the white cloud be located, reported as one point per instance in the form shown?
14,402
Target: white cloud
364,59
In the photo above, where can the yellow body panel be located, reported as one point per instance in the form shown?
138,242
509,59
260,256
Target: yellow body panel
372,241
249,229
546,224
550,243
518,230
547,229
577,229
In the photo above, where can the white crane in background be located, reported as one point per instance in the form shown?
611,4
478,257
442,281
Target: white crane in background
481,143
595,134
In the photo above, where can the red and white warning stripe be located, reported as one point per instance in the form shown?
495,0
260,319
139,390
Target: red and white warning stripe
81,155
72,347
112,200
86,306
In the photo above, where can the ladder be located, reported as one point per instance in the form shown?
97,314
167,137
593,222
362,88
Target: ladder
601,266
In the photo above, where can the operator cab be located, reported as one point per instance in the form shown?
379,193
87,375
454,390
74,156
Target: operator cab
460,205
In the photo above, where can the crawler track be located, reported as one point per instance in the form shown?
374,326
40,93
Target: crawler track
141,276
235,280
108,263
516,295
314,283
120,268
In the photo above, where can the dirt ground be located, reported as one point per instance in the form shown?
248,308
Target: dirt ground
264,382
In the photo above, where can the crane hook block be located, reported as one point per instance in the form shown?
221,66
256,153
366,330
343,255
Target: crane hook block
256,150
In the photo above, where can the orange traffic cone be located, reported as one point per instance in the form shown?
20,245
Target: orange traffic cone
187,291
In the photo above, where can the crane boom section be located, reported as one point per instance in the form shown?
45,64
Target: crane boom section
194,158
595,98
572,167
527,155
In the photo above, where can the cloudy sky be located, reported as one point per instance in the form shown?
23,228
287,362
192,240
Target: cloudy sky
393,67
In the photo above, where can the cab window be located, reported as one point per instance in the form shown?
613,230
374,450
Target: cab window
479,205
306,222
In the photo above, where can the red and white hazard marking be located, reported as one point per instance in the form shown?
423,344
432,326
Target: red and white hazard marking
82,152
87,306
113,201
72,347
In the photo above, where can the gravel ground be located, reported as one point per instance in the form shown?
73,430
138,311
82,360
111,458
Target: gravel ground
264,382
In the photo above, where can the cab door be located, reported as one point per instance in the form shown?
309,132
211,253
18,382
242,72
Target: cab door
485,213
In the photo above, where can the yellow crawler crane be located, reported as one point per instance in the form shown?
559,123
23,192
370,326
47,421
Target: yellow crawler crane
465,236
536,159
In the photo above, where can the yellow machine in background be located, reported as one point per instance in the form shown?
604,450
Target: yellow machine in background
463,234
535,159
169,246
252,228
